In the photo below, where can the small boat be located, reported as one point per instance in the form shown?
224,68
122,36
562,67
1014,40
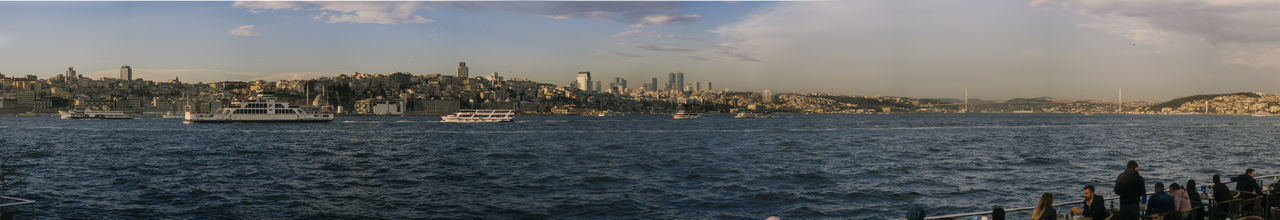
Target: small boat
682,114
94,114
753,115
1260,114
480,116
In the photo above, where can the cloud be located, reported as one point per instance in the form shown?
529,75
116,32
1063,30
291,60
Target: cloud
662,48
665,19
635,14
351,12
243,30
608,53
262,6
636,33
1226,25
698,58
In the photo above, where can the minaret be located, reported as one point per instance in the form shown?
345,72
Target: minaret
966,101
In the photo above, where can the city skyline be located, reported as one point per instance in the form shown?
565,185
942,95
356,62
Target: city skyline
1063,49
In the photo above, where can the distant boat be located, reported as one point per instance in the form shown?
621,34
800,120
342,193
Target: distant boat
173,114
682,114
753,115
608,113
94,114
480,116
264,108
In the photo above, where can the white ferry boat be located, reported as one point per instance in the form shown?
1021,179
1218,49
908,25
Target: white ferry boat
753,115
263,108
94,114
682,114
478,116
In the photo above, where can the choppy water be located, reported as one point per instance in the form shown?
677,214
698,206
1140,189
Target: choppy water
793,166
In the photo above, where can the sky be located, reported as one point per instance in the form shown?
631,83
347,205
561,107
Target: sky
998,49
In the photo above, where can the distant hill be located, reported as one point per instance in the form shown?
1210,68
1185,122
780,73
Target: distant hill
1175,103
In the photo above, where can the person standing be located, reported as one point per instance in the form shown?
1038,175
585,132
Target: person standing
1093,205
1130,187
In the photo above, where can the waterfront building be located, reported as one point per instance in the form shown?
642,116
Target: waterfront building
463,71
380,106
126,72
584,80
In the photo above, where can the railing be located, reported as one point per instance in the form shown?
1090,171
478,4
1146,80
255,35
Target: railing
4,203
1207,196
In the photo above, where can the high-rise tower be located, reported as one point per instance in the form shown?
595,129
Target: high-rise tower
680,80
584,80
126,72
463,71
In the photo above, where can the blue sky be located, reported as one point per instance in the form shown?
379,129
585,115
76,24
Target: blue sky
1078,49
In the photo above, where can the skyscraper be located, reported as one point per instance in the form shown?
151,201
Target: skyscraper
766,96
584,80
71,73
654,85
599,86
126,72
463,71
680,79
709,86
697,86
671,83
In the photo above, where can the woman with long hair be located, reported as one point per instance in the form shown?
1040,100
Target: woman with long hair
1044,210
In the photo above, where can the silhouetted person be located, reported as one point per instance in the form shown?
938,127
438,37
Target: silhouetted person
916,213
1044,210
1092,206
1220,193
1197,205
997,213
1160,202
1246,183
1130,187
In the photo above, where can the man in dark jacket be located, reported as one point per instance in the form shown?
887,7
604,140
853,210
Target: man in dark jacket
1160,202
1130,187
1093,205
1220,193
1246,183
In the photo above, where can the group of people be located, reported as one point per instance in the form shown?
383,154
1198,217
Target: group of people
1130,187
